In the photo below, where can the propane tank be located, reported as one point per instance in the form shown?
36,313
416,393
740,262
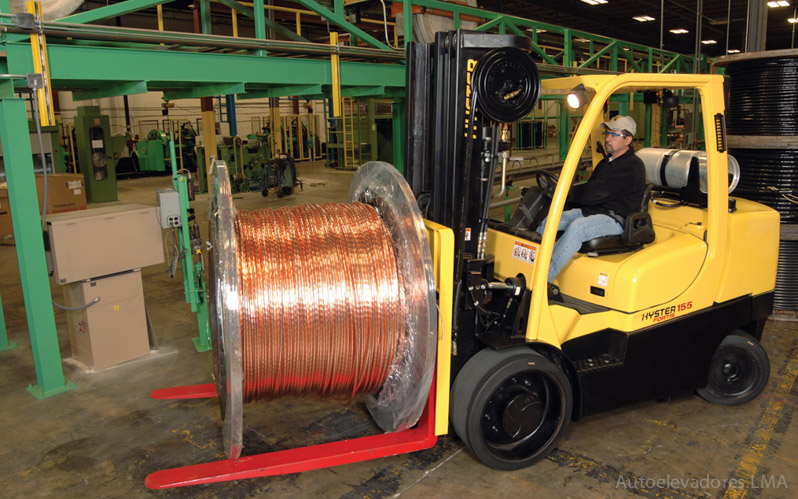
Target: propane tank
668,168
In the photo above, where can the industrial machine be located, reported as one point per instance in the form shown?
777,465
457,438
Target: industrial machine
676,304
95,155
152,153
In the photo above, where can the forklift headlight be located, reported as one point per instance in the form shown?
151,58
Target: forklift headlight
577,97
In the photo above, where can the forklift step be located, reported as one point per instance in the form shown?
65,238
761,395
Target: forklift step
600,362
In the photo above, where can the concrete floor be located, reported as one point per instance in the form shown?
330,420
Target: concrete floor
103,438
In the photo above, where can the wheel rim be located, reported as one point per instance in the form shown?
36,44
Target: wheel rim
521,416
734,373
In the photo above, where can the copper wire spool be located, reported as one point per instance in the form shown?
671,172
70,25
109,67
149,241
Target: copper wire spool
320,301
332,300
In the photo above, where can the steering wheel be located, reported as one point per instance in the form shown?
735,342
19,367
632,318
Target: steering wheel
546,180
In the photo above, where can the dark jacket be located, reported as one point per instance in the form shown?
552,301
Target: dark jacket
615,186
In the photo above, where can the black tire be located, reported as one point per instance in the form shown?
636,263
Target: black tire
739,371
265,192
510,407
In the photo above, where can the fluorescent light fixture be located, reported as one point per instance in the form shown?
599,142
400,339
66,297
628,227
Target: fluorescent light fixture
583,40
733,51
779,3
793,20
643,19
709,42
678,31
595,2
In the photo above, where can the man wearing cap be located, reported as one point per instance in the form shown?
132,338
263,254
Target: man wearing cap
614,189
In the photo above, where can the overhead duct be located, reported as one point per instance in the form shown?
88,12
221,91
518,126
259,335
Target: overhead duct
53,9
427,24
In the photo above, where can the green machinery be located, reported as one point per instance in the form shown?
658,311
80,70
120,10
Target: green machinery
251,166
152,154
95,155
190,252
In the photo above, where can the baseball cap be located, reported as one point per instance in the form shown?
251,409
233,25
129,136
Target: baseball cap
619,122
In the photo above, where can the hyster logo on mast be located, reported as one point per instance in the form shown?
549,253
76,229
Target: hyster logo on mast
470,65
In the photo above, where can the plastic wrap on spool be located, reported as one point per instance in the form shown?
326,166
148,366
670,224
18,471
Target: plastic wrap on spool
224,309
669,168
399,403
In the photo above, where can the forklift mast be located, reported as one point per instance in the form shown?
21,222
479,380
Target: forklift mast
463,91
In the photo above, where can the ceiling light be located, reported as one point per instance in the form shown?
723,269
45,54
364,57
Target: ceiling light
779,3
733,51
595,2
583,40
643,19
577,97
793,20
709,42
679,31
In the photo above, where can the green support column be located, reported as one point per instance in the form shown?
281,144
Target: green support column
399,135
663,141
5,345
407,19
30,250
647,141
371,111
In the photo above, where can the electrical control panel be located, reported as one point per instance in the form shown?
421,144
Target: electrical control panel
168,208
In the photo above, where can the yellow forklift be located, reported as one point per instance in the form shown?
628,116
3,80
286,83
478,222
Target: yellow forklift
674,305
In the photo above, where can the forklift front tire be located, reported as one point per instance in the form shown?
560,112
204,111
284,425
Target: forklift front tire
510,407
739,371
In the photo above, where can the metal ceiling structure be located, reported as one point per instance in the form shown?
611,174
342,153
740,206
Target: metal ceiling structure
615,19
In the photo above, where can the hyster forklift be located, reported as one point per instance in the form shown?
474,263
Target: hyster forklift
674,305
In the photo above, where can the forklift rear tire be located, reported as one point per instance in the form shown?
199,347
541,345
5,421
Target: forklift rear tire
510,407
265,192
739,371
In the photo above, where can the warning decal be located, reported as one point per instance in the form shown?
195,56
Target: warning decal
524,252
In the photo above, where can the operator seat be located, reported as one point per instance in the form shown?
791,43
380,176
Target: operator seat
637,231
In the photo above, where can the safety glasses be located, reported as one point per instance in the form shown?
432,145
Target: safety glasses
614,134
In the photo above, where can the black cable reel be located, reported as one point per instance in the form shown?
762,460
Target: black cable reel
507,83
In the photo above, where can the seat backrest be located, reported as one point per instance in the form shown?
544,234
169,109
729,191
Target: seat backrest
646,198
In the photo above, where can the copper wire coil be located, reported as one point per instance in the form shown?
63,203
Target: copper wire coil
321,309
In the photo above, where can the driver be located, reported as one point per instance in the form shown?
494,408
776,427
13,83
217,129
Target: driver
614,189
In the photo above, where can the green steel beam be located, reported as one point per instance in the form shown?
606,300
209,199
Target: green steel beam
285,91
5,345
515,29
674,62
30,250
407,19
204,90
629,56
399,135
111,11
339,20
598,54
205,17
241,9
377,91
539,51
647,138
112,90
490,24
166,69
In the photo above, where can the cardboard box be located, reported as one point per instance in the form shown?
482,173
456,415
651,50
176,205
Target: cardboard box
113,330
65,192
103,241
